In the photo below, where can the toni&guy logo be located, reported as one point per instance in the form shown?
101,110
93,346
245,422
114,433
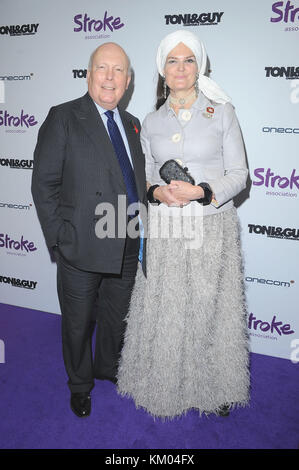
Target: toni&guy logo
194,19
14,282
290,73
274,232
16,163
19,30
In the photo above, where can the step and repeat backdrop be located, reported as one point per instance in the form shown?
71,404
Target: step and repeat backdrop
253,55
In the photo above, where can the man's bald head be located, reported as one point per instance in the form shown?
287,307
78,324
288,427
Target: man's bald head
109,45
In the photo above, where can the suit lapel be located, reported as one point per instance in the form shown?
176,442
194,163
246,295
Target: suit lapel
91,121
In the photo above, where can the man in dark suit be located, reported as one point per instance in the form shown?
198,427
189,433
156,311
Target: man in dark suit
86,159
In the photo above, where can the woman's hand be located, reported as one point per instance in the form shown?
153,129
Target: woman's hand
185,191
166,196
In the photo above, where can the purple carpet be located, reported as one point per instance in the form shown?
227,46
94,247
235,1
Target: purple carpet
35,412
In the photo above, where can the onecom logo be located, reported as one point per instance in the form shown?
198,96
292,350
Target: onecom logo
9,205
268,282
280,130
18,78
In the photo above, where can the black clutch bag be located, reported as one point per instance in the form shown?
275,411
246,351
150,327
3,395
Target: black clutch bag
172,170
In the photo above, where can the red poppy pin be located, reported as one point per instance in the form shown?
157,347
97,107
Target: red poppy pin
210,110
135,128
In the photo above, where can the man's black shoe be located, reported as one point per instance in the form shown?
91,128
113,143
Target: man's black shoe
81,404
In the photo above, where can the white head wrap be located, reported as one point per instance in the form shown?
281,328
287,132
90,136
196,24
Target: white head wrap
209,88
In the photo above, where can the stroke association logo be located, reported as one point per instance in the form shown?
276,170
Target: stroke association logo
18,123
86,24
274,326
194,19
288,13
275,183
268,178
19,30
19,246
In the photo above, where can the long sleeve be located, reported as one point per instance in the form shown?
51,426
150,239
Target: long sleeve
146,147
47,174
234,160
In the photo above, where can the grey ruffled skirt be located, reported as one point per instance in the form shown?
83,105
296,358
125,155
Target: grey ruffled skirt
186,341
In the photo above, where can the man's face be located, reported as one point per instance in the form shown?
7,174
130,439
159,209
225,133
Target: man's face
108,78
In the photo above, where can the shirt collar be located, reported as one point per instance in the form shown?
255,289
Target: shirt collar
103,110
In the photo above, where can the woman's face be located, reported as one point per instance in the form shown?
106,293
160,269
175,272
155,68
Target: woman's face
180,69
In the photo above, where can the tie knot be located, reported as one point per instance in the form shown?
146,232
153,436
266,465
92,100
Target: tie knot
109,114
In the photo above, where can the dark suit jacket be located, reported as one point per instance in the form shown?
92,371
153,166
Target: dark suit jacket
75,169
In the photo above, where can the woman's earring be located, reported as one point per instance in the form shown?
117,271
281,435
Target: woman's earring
196,84
164,88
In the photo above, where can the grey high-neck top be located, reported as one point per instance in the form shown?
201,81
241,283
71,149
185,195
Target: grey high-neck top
207,139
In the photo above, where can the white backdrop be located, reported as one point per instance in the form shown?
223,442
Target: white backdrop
253,53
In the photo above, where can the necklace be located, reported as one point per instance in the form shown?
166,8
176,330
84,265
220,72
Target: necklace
182,101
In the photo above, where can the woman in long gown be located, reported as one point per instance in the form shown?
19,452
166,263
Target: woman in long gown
186,343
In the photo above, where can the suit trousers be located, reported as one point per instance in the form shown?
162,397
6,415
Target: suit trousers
89,299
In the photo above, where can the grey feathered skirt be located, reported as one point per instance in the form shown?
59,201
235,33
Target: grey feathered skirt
186,342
